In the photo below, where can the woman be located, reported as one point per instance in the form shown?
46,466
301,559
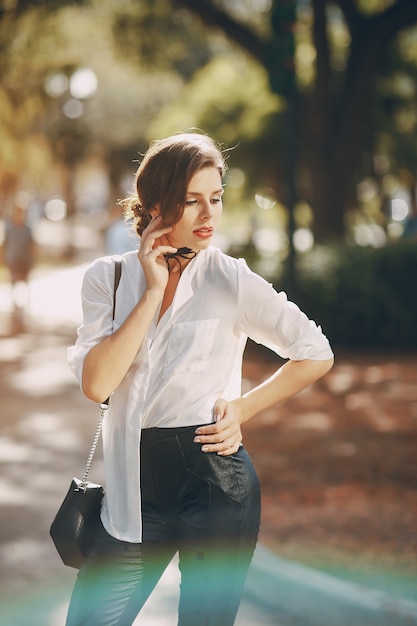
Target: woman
177,476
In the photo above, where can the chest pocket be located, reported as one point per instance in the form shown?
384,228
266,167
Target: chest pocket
189,347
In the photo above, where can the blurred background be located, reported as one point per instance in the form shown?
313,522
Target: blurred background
316,104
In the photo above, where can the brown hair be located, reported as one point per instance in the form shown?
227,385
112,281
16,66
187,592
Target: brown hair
164,174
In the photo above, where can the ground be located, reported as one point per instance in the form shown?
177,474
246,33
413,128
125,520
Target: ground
337,463
337,466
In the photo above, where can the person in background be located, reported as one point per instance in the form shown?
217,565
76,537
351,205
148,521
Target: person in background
119,236
178,478
19,253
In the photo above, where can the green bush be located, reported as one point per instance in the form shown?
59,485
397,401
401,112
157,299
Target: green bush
362,297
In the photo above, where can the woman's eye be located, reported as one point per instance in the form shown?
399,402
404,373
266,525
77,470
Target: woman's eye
216,200
190,202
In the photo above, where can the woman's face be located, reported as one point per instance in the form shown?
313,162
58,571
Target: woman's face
202,211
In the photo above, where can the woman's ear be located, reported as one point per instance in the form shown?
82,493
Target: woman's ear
155,212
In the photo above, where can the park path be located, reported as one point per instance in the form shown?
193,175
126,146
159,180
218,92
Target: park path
45,429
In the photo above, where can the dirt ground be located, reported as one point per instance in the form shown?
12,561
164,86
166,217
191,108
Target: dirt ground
338,469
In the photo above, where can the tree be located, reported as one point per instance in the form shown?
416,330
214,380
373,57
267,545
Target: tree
333,114
342,99
20,90
41,144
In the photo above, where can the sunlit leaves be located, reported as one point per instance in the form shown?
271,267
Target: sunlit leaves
155,36
370,7
230,98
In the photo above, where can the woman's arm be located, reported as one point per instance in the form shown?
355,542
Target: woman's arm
288,380
225,435
107,363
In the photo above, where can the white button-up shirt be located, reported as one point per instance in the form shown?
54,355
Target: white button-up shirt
188,359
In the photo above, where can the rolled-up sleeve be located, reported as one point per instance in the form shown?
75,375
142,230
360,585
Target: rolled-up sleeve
269,318
97,306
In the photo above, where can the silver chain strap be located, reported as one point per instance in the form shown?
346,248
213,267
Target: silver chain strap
104,405
103,409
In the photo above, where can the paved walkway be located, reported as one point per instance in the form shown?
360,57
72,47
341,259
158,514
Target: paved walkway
45,429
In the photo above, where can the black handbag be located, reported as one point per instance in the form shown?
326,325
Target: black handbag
72,527
79,513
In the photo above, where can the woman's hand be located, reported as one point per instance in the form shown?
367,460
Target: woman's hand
154,244
224,436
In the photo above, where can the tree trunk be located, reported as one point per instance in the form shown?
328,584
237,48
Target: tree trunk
328,200
336,133
333,120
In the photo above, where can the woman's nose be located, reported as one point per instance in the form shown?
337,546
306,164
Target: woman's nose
206,209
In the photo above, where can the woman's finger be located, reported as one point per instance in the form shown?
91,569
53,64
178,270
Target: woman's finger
230,450
160,251
219,409
211,434
148,242
155,225
153,233
224,448
225,441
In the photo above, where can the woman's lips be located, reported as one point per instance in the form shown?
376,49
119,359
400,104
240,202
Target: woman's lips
203,233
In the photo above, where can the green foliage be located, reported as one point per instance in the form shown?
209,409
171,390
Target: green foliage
364,297
228,98
39,44
168,65
394,108
153,35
